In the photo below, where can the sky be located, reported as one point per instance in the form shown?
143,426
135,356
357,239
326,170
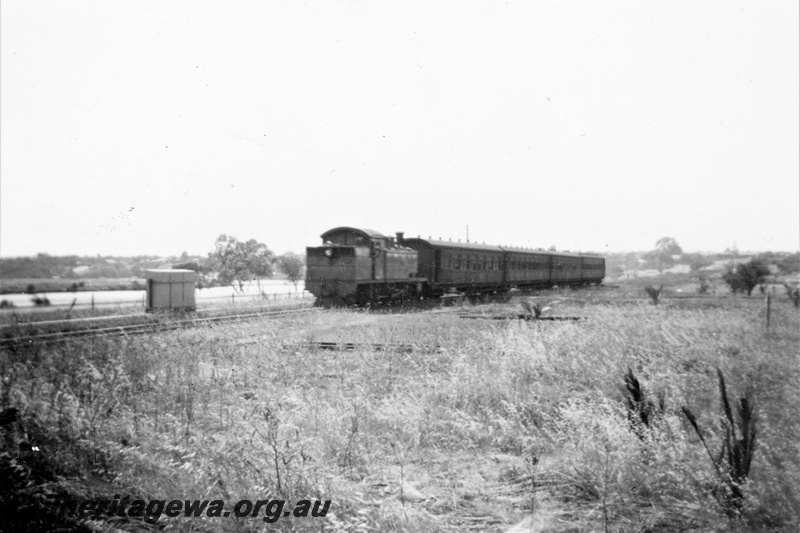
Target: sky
151,127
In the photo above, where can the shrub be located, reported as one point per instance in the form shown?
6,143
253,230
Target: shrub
745,277
793,292
641,408
654,293
732,463
704,286
40,301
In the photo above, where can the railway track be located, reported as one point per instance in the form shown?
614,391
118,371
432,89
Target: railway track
342,346
523,317
9,337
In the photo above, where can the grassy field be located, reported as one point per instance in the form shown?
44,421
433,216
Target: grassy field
479,425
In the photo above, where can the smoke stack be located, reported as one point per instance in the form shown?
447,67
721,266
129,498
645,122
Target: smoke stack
400,238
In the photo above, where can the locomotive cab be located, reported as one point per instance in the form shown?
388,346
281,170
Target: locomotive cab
357,266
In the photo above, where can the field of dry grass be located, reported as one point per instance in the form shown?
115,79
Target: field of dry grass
474,425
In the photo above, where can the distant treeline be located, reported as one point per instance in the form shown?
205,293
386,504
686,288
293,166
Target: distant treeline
785,263
44,266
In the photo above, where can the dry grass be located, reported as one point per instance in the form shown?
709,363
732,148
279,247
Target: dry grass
467,431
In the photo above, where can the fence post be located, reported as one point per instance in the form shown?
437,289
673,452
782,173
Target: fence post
769,302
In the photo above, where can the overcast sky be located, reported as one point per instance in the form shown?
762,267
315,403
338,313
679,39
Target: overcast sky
137,127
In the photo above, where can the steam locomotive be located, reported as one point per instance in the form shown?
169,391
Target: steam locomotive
361,266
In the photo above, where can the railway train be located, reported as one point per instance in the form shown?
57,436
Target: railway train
363,267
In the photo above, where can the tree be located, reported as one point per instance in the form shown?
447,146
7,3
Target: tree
658,260
661,257
202,268
237,262
631,263
790,263
745,277
668,245
696,262
292,266
191,265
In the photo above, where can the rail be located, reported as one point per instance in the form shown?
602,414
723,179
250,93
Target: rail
147,327
523,317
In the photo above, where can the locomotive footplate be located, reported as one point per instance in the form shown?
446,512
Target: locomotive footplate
394,290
